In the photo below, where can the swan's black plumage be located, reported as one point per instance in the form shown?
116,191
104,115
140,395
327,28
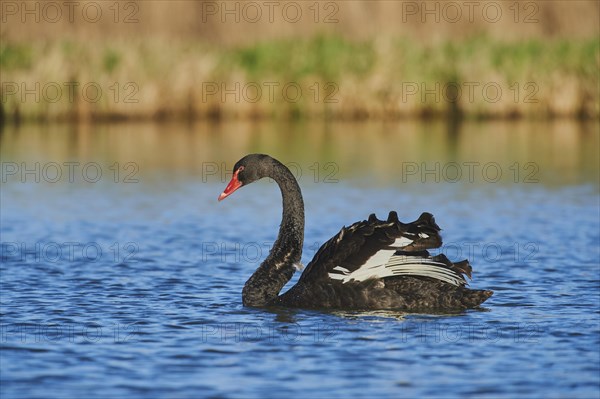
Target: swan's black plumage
354,245
372,264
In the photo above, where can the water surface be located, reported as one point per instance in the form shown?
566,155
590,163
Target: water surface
121,275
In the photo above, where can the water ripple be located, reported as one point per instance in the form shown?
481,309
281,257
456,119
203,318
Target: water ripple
168,322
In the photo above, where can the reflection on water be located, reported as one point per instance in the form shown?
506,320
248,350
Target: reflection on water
551,153
134,290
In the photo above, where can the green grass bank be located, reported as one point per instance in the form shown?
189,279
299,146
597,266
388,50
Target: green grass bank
323,76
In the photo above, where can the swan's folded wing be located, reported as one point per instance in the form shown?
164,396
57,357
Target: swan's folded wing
375,248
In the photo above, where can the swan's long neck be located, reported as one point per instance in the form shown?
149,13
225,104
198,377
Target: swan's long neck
278,268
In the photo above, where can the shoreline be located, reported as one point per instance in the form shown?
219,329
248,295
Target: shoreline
323,77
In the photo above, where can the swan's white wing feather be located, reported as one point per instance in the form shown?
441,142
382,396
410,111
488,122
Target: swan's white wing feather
385,264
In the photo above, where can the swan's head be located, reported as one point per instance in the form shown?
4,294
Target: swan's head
247,170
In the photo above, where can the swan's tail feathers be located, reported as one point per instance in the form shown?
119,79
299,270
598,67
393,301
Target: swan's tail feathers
472,298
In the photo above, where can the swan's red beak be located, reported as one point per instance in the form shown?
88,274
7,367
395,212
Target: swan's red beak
233,185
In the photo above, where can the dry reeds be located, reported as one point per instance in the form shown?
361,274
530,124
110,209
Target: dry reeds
323,76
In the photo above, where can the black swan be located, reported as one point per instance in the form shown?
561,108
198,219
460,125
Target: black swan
373,264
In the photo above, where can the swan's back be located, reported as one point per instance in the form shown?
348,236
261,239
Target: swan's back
376,264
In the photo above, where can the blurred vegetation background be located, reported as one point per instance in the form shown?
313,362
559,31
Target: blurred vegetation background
299,59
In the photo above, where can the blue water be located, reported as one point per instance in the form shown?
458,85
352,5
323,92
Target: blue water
134,290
